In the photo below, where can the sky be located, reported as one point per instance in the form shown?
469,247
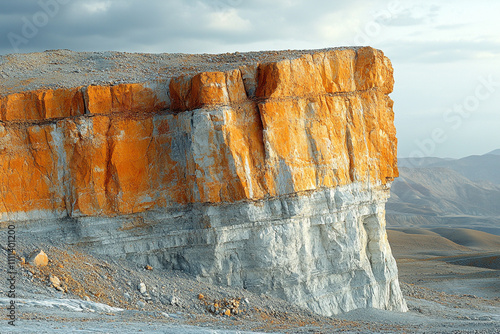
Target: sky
445,54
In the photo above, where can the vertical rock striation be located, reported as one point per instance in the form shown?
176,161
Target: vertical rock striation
271,176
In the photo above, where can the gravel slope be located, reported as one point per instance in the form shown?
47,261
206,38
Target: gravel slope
439,302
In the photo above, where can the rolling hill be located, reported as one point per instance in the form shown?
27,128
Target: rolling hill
435,192
475,167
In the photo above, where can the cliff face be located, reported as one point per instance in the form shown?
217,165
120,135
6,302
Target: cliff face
272,176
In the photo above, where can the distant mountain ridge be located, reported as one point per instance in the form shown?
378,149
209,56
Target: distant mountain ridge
434,192
495,152
475,167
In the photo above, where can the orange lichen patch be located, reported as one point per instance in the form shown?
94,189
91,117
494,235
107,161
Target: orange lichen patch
126,98
131,163
288,78
28,170
110,164
235,87
85,152
378,118
326,73
180,88
321,120
338,70
98,99
243,134
42,104
207,88
372,70
61,103
338,138
67,102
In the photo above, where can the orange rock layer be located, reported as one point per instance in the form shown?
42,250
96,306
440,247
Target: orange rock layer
271,129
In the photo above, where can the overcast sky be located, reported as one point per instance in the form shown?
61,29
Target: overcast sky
446,54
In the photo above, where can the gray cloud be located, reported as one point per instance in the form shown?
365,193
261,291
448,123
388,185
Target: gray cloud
142,25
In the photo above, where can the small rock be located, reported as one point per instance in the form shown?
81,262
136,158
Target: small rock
57,284
201,296
54,280
141,304
174,301
38,258
177,315
147,297
148,267
142,288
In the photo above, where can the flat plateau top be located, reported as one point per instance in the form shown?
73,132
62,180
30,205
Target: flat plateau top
64,68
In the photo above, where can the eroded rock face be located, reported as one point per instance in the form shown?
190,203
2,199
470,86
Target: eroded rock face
271,176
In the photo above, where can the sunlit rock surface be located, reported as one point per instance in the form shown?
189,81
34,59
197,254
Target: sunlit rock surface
271,176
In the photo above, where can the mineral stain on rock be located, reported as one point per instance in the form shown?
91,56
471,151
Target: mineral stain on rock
271,176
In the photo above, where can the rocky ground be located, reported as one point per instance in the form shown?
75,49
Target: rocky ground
96,289
99,294
64,68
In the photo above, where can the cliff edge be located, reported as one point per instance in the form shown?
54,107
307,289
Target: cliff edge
265,171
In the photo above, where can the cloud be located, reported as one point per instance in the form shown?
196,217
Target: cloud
411,15
441,51
450,27
97,6
133,25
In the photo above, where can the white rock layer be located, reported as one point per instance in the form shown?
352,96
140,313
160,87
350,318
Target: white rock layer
325,250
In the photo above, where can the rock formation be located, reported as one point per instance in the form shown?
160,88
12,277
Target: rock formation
272,176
